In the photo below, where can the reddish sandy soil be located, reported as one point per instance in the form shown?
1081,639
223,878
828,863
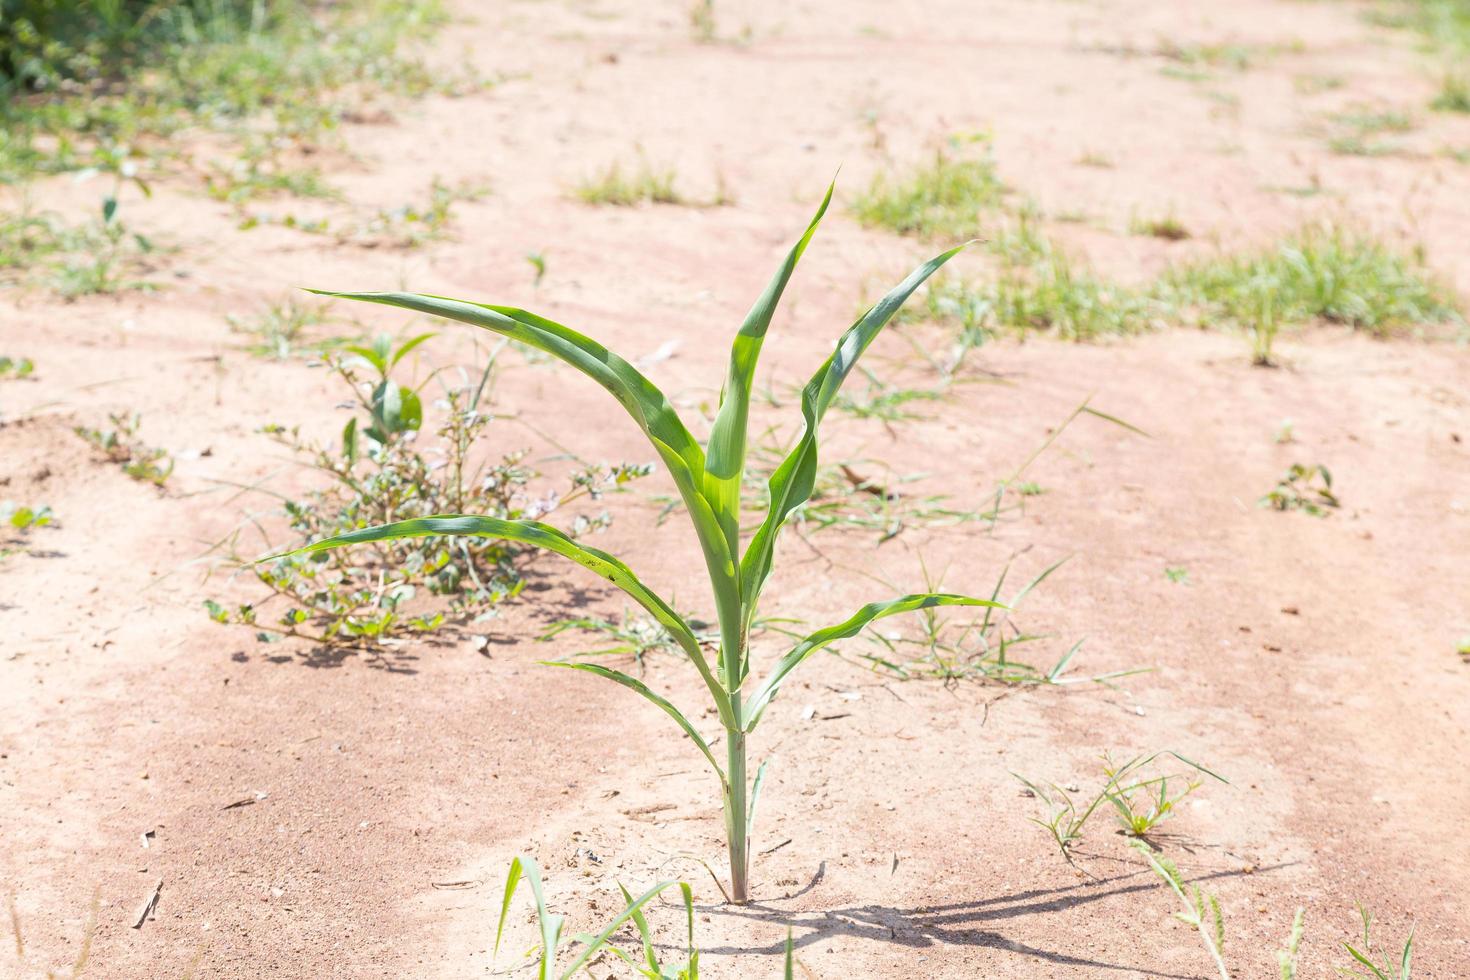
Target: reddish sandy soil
1309,660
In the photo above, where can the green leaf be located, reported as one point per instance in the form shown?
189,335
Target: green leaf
601,938
634,684
408,346
725,466
648,406
849,627
542,536
792,481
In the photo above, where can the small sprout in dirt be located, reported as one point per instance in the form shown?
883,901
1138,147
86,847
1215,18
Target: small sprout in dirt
619,188
1065,817
538,265
1099,161
1167,227
13,368
944,198
702,21
1029,488
1178,575
1201,909
1454,92
1304,488
1143,806
1286,959
380,471
412,225
710,477
550,926
1285,433
1377,968
23,517
121,445
1463,648
281,331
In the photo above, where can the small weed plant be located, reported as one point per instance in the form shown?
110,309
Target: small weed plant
709,477
1304,488
122,445
945,198
380,472
624,187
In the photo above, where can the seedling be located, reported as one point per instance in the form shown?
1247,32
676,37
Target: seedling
1377,969
1066,817
1201,909
121,445
709,484
1304,488
523,867
634,636
1178,575
1138,820
23,518
1286,959
538,263
16,368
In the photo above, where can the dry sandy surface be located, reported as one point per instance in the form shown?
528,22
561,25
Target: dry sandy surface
1309,660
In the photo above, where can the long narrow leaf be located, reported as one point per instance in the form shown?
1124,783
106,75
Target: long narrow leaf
603,936
725,465
636,685
849,627
541,536
792,481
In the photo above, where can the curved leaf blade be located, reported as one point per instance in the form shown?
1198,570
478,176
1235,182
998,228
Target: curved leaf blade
541,536
792,481
848,627
725,463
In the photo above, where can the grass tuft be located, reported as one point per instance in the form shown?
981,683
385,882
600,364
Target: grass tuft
941,199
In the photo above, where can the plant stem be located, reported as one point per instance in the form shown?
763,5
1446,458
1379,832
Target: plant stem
736,814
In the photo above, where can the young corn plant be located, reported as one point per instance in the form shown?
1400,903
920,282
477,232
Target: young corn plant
708,478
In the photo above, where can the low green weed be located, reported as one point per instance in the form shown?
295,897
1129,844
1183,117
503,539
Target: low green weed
1179,576
282,330
15,368
617,187
98,256
22,517
1304,488
381,471
121,445
1322,273
945,198
1140,798
1201,909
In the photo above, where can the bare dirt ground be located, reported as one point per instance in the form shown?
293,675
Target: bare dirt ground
1309,660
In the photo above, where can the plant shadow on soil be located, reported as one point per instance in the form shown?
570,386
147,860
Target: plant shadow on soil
957,924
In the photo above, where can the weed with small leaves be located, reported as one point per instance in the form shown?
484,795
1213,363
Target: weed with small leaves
1304,488
121,445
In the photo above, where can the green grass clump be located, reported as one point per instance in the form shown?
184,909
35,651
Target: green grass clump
1454,92
1059,296
1318,273
944,198
617,187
